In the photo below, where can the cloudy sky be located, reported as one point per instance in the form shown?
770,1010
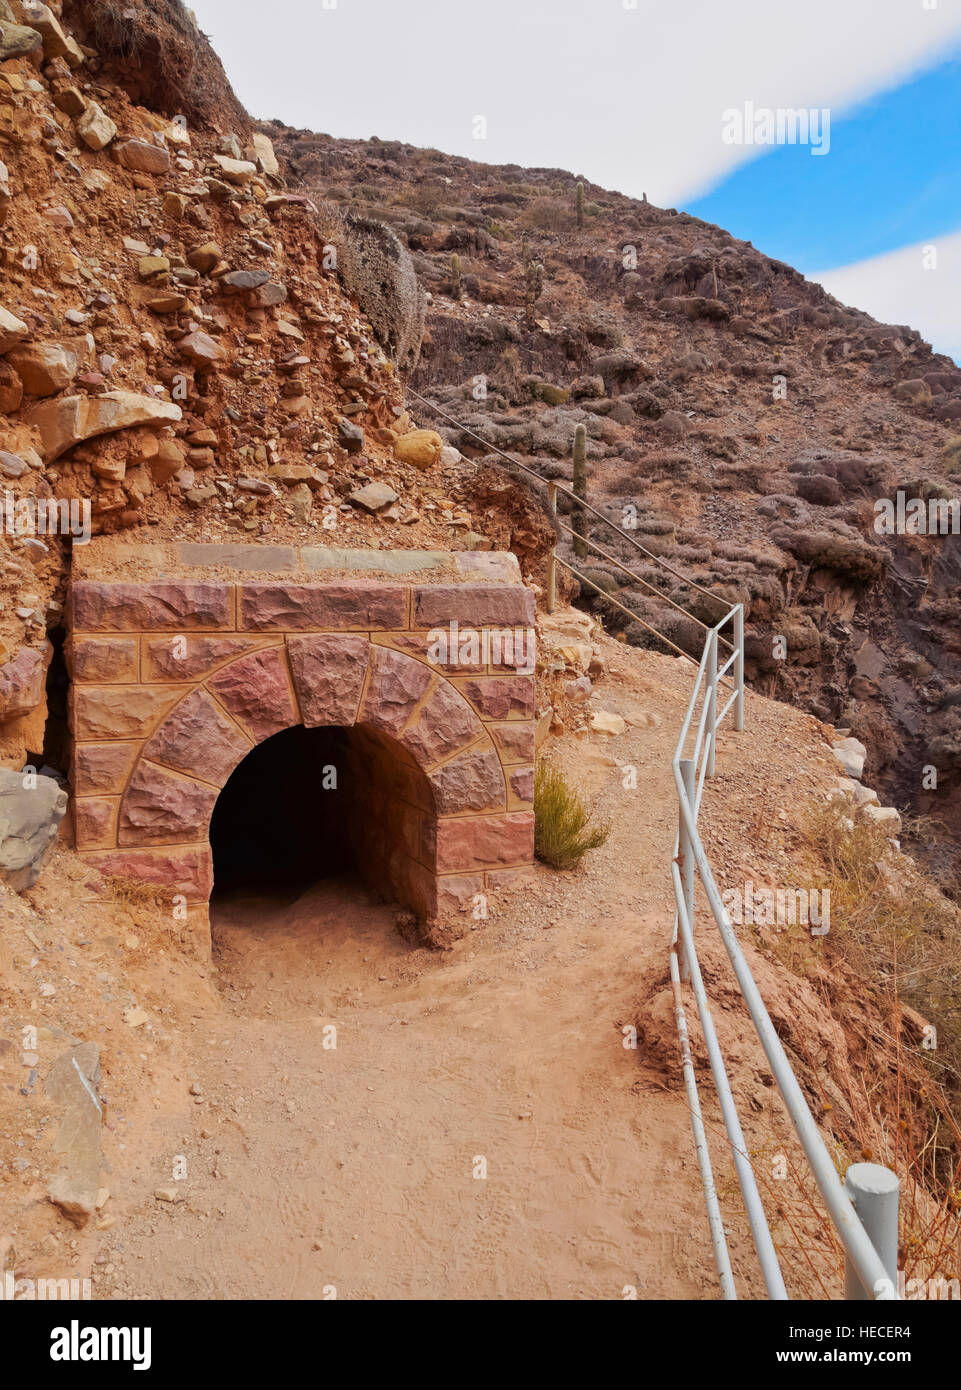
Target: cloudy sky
636,95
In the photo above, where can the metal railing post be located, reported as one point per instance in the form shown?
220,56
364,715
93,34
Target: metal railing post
739,667
685,855
552,558
711,696
873,1191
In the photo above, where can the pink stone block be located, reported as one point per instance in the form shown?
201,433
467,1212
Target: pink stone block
396,684
163,605
514,741
256,690
104,659
95,821
522,784
188,871
199,739
186,658
455,893
328,674
473,781
500,697
477,605
120,711
444,723
481,842
102,767
161,807
353,605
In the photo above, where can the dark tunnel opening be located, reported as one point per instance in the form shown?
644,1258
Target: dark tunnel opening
279,821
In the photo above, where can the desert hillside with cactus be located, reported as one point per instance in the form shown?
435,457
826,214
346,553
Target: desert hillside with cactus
275,410
741,424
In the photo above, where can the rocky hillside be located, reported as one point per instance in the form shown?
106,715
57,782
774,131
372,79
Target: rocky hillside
177,347
744,418
207,329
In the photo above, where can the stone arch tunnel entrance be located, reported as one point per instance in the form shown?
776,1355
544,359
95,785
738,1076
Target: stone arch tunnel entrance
315,803
205,711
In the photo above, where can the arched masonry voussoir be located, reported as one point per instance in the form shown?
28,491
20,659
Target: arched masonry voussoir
470,781
200,739
257,691
329,673
178,676
161,807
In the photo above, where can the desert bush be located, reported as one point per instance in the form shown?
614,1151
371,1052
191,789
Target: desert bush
425,198
549,215
903,937
951,453
564,828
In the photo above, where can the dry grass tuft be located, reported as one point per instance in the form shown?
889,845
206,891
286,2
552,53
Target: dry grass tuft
564,828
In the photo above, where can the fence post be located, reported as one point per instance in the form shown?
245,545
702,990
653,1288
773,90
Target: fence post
711,701
685,855
739,667
874,1193
552,558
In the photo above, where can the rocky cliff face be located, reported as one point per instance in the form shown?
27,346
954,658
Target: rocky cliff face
181,347
203,328
739,418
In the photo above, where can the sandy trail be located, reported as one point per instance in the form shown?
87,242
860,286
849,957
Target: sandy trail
354,1167
314,1169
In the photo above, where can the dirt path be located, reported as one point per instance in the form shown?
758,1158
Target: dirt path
313,1169
354,1167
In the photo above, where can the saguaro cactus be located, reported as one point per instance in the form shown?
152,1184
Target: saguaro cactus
578,515
533,286
580,204
455,276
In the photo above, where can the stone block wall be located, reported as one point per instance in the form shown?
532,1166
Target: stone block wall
175,680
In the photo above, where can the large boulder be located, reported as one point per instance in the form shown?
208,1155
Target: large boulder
95,127
142,157
44,368
42,18
422,448
72,419
18,41
12,330
31,809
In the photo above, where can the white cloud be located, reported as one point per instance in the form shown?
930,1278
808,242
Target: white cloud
632,99
896,288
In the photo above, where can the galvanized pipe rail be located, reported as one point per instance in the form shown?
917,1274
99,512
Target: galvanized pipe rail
873,1188
867,1274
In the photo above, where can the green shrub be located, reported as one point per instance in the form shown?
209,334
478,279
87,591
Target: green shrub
563,829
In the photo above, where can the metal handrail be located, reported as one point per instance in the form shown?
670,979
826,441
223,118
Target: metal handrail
867,1274
872,1187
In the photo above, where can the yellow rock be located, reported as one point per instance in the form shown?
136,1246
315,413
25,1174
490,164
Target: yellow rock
603,722
422,448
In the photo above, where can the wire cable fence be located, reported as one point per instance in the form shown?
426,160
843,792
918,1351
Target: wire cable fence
863,1208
